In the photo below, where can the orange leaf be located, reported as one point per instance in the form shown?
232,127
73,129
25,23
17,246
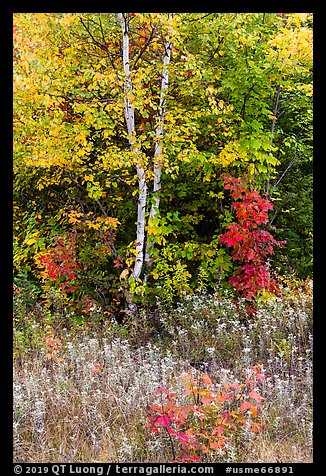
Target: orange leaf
253,394
186,377
254,411
246,406
205,378
156,408
255,427
217,444
206,399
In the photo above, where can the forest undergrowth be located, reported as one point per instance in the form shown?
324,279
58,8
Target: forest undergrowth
84,393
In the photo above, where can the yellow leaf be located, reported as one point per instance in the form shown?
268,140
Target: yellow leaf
186,377
30,241
129,261
124,274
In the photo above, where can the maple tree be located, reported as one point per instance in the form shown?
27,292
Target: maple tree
60,264
123,124
250,242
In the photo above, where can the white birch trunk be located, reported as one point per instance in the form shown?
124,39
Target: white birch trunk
159,132
130,121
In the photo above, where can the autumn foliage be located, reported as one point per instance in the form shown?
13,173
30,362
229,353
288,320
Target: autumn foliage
251,244
204,417
143,246
60,264
123,124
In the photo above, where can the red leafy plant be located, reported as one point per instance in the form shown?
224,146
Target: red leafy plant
60,263
201,420
53,347
251,243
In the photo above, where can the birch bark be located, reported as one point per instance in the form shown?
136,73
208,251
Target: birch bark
130,121
159,133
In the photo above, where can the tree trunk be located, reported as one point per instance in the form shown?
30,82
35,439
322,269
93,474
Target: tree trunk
159,139
130,121
275,112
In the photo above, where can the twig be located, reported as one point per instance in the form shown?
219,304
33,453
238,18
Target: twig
144,47
172,444
107,49
275,112
287,168
286,199
200,18
100,45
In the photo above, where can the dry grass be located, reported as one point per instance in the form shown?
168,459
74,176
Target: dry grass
89,402
285,450
91,406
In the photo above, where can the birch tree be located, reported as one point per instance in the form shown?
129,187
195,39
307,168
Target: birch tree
159,138
130,122
123,124
129,113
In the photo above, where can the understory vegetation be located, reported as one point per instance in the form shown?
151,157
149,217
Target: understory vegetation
162,244
85,395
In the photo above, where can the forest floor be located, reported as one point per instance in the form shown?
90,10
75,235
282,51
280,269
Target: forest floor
84,395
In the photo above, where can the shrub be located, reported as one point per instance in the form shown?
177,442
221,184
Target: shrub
204,418
250,242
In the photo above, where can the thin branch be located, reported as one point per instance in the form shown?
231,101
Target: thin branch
280,113
275,106
172,444
215,50
99,44
277,211
72,98
200,18
285,171
246,96
144,47
107,49
275,110
278,180
126,184
102,209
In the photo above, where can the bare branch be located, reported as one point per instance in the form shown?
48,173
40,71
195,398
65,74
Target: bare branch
97,43
107,49
275,106
68,97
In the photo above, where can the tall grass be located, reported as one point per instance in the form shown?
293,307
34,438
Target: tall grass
89,401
